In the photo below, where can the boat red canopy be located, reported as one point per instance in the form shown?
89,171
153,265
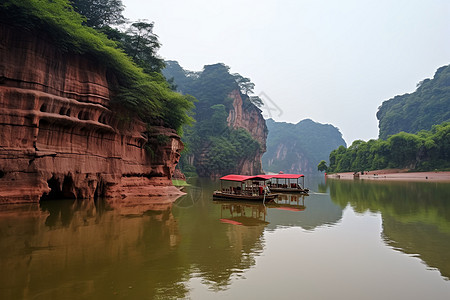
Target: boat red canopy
241,178
287,176
233,177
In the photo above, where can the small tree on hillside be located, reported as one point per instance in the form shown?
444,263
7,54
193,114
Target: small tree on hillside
322,166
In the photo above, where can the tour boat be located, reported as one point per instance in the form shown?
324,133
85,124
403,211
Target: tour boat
287,183
240,187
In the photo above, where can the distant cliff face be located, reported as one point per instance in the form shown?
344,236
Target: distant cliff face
59,135
288,158
248,117
298,148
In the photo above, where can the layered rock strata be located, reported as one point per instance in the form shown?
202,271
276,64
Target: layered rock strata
59,136
248,117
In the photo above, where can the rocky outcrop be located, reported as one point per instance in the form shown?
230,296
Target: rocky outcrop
248,116
59,135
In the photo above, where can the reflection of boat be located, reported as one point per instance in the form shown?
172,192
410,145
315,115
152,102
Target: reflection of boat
288,183
248,188
291,202
242,213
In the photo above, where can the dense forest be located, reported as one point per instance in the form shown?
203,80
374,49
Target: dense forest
414,133
86,27
212,147
298,148
428,105
426,150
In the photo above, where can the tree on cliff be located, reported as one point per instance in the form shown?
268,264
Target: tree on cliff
244,84
100,13
137,40
142,44
256,100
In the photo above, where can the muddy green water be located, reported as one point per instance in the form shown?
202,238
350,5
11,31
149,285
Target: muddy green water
346,240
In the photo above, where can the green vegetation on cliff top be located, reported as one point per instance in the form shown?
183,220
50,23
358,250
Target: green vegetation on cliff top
145,93
429,105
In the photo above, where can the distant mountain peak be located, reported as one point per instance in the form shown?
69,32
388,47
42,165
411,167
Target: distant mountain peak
298,148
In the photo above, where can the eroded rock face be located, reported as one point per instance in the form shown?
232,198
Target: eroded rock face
59,136
250,118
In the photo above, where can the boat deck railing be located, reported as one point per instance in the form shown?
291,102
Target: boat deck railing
285,186
248,191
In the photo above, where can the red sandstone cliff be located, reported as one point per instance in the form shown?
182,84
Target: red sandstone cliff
249,117
59,135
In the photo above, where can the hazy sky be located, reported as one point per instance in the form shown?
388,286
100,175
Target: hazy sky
333,61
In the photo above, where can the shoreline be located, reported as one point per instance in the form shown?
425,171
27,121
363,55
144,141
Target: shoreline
394,175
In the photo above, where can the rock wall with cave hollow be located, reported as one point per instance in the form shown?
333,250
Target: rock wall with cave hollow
59,135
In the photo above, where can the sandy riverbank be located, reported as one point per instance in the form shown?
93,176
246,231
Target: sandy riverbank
395,174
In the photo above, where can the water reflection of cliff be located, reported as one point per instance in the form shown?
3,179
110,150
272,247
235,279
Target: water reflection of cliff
76,249
70,249
416,216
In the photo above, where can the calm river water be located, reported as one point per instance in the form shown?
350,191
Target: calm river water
346,240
